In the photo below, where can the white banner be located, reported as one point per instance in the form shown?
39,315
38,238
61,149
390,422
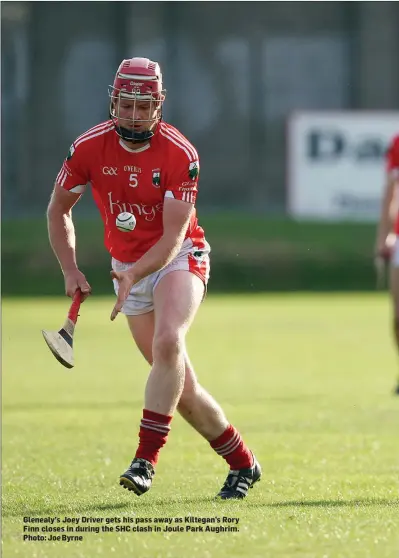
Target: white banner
336,163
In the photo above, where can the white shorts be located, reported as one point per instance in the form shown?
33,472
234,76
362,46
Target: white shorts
194,259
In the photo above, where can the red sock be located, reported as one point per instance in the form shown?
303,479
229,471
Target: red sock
154,429
231,447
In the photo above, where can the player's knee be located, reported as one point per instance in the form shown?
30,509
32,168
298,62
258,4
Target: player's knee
168,345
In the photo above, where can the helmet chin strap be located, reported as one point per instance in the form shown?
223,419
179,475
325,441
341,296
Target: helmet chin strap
134,137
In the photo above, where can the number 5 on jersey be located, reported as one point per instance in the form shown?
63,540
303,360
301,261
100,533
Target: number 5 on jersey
133,180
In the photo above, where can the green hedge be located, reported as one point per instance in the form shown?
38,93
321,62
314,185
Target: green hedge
248,254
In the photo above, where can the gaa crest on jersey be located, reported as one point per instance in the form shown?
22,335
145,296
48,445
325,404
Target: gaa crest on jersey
193,170
156,177
71,152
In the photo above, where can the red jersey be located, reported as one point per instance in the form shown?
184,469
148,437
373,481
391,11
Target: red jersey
392,168
136,181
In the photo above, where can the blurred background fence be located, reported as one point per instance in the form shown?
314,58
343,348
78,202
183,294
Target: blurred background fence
234,71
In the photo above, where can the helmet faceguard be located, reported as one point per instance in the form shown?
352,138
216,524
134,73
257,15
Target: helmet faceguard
138,80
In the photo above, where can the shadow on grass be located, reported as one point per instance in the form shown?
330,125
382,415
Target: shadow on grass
286,504
134,505
216,502
332,503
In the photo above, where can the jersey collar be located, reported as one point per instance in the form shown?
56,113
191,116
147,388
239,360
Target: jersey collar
139,150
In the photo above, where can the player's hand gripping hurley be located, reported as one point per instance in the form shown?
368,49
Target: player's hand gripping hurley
60,342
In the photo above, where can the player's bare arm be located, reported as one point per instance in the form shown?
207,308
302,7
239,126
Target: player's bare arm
62,238
176,217
389,210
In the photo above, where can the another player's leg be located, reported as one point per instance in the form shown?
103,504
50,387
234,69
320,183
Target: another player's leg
176,300
394,287
202,412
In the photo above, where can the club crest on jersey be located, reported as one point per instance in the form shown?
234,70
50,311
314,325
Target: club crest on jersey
156,177
71,152
193,170
199,255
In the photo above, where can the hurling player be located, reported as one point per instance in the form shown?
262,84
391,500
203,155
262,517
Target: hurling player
135,162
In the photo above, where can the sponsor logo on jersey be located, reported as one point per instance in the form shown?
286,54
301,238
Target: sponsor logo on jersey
71,152
148,212
132,168
193,170
110,171
187,186
156,177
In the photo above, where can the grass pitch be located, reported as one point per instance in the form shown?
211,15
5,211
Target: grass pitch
306,379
